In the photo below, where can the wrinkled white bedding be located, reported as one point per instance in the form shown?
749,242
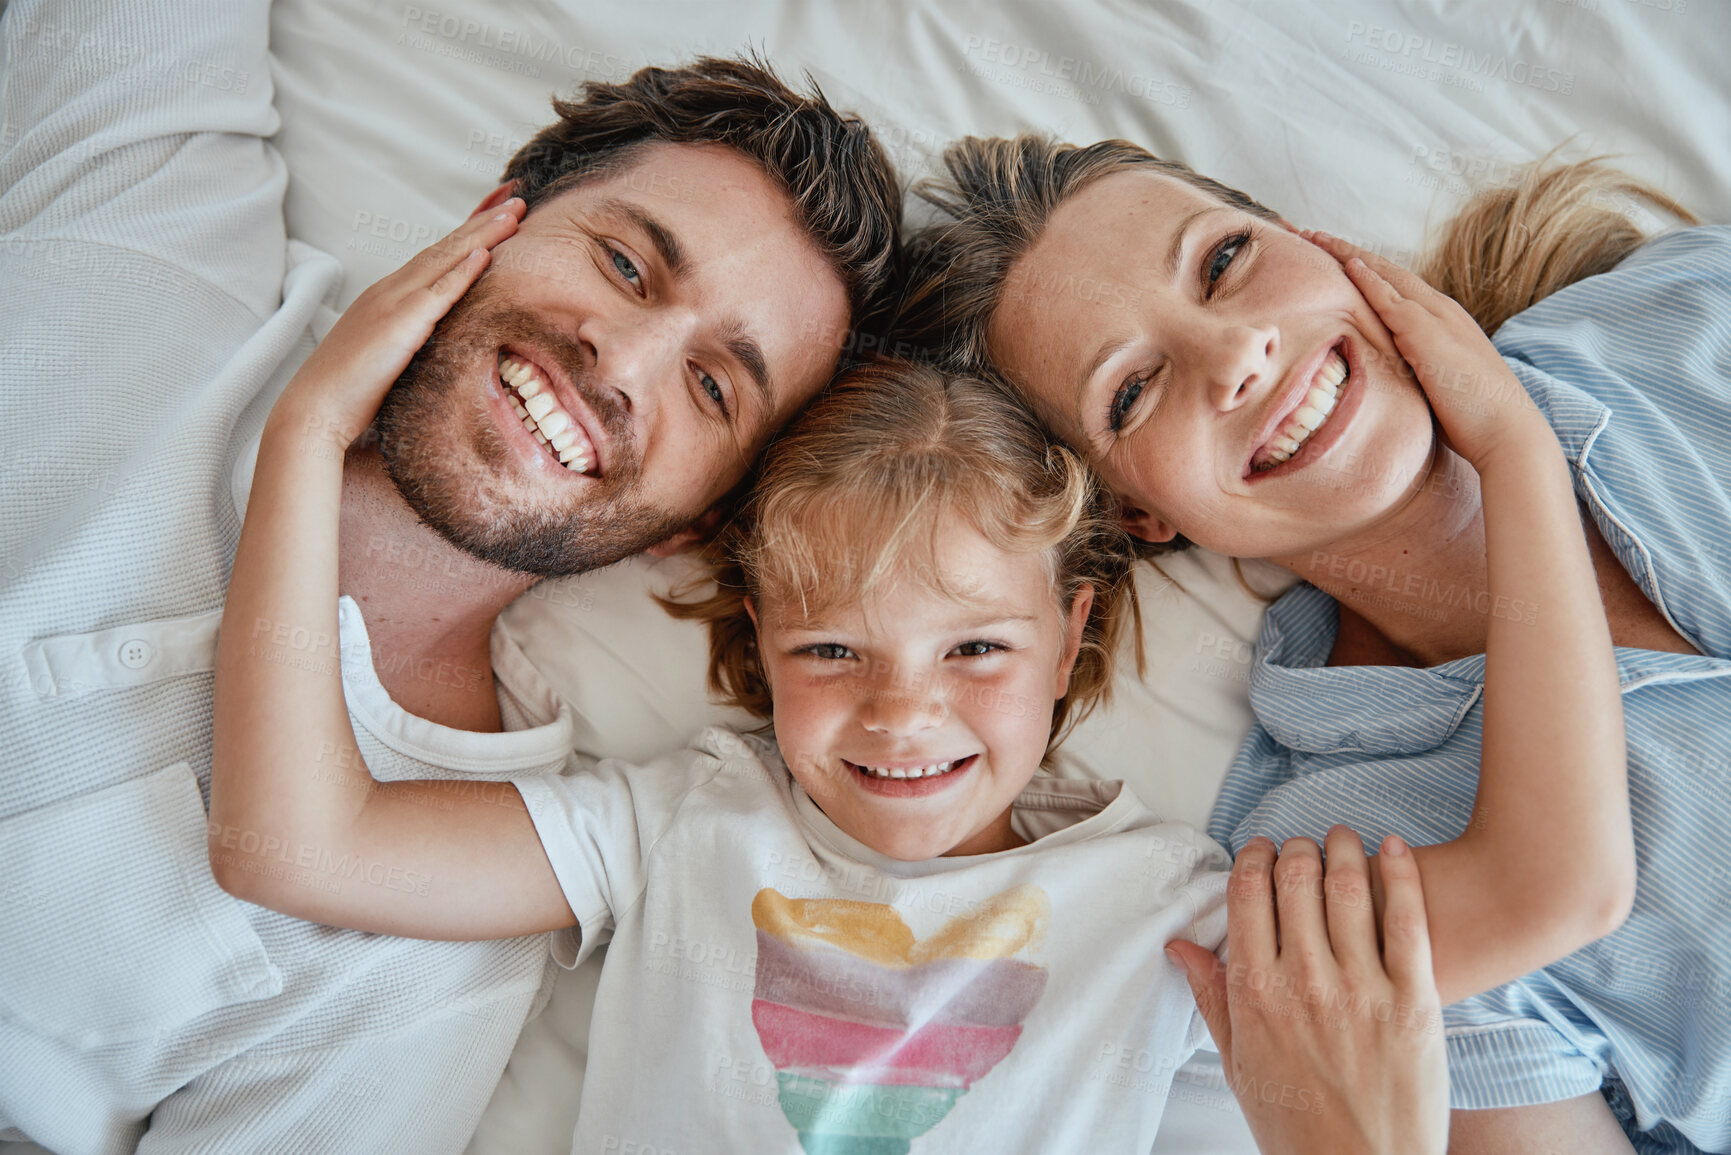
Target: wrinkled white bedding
1367,118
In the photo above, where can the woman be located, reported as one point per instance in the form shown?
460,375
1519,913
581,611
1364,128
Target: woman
1233,384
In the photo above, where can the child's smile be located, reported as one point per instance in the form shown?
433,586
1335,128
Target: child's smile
914,720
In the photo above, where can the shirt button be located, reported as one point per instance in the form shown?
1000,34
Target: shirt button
136,654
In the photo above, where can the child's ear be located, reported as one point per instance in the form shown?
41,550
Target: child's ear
1074,625
694,534
1145,526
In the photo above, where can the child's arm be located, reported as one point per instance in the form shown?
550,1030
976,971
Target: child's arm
296,822
1547,862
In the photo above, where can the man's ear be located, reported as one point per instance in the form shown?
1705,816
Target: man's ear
1145,526
496,198
1074,624
694,534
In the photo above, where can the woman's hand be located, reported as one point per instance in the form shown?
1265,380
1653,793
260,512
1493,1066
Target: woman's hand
1477,399
1332,1045
338,390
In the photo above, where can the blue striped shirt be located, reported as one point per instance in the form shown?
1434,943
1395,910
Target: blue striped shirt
1633,370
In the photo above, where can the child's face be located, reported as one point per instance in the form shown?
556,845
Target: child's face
917,679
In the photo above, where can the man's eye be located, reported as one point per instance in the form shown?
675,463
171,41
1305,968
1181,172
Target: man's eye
1124,400
625,267
976,649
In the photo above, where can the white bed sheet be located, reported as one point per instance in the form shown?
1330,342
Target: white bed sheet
1367,118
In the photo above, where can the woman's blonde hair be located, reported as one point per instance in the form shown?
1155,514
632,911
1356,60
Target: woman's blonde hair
858,493
1507,249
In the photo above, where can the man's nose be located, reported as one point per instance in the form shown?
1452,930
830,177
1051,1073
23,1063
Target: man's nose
636,356
1234,359
903,704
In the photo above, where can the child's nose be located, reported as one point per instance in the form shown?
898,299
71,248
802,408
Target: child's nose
903,707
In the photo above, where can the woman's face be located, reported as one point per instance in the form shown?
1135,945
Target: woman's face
1196,353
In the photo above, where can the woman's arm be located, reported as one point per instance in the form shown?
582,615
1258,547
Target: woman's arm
296,821
1547,862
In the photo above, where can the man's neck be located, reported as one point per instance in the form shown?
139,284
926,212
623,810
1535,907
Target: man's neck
429,606
1418,580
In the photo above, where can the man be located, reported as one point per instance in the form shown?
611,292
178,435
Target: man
151,308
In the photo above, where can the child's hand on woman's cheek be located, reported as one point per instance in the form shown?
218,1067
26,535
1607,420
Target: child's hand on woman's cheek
1477,399
1333,1045
339,389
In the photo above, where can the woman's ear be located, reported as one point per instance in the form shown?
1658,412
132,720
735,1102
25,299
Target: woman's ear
1145,526
1075,623
496,198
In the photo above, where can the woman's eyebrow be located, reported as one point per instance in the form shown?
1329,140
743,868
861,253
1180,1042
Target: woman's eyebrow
1107,350
1177,248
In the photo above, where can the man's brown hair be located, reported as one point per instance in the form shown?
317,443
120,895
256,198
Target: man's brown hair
841,184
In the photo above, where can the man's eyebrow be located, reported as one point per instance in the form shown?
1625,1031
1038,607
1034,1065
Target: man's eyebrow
746,350
666,245
1177,249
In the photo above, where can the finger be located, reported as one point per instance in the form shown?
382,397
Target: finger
483,229
1404,279
1298,898
1250,905
1405,927
1346,887
1207,977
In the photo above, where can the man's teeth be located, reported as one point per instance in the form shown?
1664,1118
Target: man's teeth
1309,417
532,400
910,772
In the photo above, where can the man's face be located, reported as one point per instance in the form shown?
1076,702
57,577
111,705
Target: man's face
652,327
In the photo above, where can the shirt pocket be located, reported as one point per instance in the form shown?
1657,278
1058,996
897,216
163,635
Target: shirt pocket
114,928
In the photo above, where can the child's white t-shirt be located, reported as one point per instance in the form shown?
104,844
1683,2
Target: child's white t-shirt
772,985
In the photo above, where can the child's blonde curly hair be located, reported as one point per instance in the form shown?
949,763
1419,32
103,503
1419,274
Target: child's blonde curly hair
857,491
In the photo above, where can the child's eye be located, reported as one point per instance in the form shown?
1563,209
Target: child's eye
976,649
826,651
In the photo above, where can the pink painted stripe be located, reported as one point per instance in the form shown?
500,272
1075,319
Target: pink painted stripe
935,1055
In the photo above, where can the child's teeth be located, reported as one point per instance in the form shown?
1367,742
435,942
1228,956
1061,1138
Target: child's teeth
905,772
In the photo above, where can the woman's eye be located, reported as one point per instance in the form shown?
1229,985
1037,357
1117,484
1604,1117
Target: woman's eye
1124,400
625,267
828,651
712,387
1221,258
976,649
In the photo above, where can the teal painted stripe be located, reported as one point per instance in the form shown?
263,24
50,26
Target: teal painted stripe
847,1111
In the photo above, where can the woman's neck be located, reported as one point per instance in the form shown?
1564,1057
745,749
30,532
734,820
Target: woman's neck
1417,579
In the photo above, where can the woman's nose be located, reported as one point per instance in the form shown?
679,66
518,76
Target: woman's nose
1235,359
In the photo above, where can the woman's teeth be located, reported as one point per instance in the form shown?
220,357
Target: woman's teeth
909,772
532,400
1310,416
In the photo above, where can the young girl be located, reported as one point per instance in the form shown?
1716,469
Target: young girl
835,940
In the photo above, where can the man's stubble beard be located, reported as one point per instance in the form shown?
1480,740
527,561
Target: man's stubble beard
443,450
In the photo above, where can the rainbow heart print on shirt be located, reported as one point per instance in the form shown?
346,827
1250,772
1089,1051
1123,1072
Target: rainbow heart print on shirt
874,1034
